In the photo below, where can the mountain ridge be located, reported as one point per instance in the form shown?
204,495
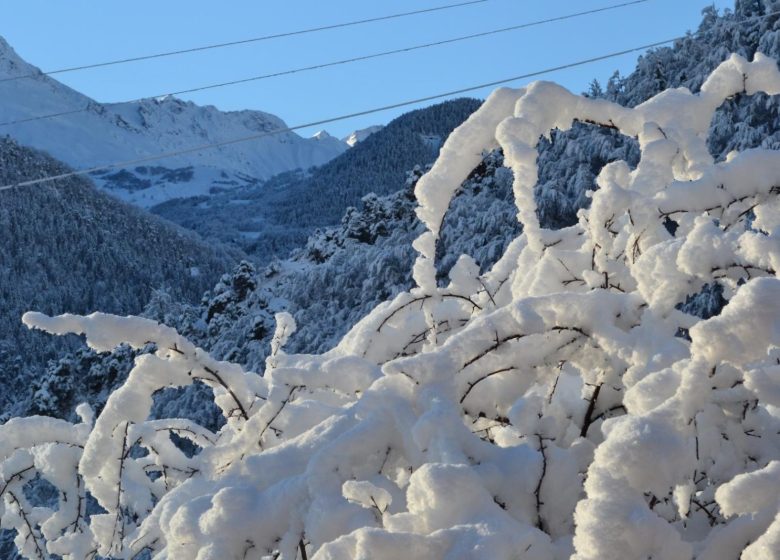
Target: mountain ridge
268,220
96,134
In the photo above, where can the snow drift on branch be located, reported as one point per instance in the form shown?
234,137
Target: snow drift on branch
560,405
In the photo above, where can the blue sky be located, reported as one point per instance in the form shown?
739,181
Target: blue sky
53,34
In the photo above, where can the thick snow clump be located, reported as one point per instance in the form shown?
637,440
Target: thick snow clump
558,406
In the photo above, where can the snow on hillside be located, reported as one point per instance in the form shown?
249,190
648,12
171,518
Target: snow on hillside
325,138
345,271
558,405
107,133
362,134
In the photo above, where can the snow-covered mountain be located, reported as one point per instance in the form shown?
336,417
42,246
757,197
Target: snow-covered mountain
106,133
380,251
362,134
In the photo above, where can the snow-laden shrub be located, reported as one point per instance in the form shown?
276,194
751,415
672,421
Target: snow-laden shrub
559,405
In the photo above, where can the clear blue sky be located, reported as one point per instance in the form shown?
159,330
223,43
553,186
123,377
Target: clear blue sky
53,34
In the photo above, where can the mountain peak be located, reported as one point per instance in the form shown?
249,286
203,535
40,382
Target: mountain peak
102,133
6,50
322,135
362,134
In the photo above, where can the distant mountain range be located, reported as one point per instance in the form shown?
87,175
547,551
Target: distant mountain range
67,247
98,134
264,196
269,219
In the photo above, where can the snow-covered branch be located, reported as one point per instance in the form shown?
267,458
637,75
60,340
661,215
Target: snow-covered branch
560,405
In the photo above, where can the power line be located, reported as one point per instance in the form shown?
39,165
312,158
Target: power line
343,61
368,111
246,41
202,147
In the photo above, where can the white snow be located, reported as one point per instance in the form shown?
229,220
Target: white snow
362,134
558,406
108,133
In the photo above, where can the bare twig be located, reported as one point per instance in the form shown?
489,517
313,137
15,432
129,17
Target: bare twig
482,378
30,529
221,381
540,524
588,419
277,413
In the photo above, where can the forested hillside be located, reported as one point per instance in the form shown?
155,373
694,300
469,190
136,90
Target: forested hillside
270,219
344,271
69,248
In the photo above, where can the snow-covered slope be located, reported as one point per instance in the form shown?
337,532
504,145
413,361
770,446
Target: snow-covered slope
107,133
345,271
362,134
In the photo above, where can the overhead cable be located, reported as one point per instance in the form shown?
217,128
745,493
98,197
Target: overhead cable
243,41
202,147
334,63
